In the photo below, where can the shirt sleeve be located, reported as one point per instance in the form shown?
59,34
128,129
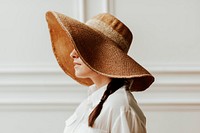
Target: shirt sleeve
128,122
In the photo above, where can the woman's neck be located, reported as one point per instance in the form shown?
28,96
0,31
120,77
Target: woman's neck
100,80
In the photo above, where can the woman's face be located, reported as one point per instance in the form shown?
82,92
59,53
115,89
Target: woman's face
81,70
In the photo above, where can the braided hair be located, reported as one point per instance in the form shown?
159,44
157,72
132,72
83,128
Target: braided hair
113,86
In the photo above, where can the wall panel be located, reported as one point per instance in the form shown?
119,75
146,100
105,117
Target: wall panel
36,96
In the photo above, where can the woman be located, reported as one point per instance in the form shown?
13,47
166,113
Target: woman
95,54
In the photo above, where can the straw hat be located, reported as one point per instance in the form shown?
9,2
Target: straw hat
102,43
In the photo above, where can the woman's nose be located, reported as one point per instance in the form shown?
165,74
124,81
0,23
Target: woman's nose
74,54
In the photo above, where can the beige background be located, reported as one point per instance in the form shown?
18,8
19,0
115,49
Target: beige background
37,97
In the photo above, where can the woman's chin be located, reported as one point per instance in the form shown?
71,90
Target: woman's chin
78,75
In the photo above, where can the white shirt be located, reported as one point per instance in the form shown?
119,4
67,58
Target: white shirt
120,114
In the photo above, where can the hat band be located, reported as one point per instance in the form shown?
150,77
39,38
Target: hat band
109,32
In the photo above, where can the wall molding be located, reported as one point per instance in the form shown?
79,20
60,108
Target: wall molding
171,75
163,105
81,11
47,68
105,7
48,88
108,6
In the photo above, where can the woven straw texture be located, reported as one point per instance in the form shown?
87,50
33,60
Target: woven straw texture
102,43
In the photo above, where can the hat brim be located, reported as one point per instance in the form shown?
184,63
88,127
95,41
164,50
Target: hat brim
96,50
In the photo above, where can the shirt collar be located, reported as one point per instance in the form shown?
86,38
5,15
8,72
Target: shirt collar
94,94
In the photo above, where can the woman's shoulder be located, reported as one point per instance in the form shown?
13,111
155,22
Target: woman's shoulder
119,99
123,101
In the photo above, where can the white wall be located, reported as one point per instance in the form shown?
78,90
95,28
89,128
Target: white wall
37,97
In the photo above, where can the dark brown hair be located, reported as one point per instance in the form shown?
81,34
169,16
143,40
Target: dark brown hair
114,85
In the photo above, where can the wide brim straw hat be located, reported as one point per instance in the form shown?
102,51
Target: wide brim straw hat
102,43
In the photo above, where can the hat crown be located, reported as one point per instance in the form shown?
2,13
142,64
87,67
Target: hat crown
113,28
